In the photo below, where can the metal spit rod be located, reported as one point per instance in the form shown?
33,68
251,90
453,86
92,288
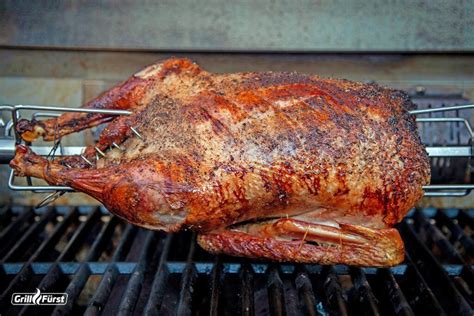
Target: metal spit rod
440,190
8,141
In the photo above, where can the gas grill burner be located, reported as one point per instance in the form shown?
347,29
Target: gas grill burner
108,267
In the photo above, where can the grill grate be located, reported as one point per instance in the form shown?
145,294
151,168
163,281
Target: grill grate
108,267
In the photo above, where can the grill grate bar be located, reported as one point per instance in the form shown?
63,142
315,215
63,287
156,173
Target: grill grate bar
125,243
247,301
73,290
25,274
217,279
400,305
101,239
462,286
58,232
159,282
448,249
188,281
78,237
363,293
15,229
130,297
420,294
438,237
276,298
98,301
334,293
457,233
429,266
305,290
54,274
80,278
30,236
46,284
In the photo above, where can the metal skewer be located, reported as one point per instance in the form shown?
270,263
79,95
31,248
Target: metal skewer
86,160
135,132
442,109
50,198
117,146
99,151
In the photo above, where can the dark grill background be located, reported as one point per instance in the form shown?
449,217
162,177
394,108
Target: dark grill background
111,267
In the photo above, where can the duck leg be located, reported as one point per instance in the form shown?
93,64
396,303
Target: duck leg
123,189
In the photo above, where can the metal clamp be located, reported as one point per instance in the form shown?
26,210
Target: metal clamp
11,138
440,190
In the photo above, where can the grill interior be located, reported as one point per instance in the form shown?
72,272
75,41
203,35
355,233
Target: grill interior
107,266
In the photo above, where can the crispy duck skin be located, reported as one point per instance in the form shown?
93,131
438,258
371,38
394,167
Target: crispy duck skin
283,166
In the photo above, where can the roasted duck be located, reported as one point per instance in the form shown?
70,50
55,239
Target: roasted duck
283,166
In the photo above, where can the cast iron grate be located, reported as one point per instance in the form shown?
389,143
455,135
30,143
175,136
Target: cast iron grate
109,267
